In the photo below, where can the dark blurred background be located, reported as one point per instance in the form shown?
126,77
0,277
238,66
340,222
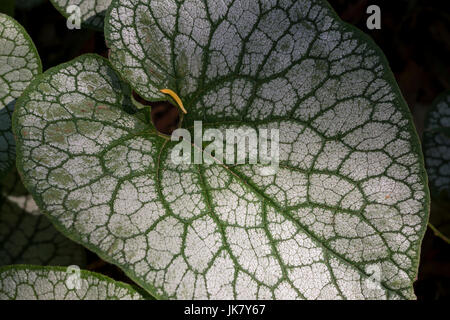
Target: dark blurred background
415,37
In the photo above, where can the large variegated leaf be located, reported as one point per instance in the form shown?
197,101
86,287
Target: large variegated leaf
436,144
19,63
92,11
27,236
22,282
344,215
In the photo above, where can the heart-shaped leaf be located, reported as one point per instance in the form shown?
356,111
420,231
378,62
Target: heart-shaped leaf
92,11
436,144
344,215
22,282
27,236
19,63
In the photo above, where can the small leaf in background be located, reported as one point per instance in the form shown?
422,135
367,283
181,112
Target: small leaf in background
22,282
19,64
27,236
436,145
436,149
343,217
92,12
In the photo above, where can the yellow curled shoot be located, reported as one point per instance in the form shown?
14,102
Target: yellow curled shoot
175,97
